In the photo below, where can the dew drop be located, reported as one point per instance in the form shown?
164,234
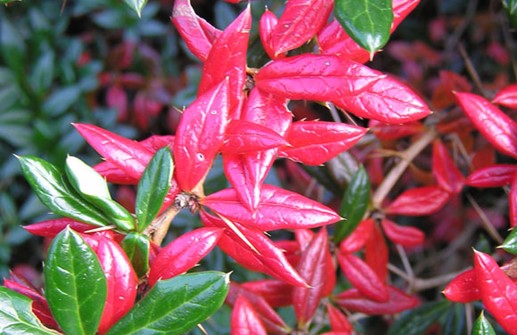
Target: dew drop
327,63
214,112
200,157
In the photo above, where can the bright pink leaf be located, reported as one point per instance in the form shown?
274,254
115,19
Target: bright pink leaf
395,131
463,288
50,228
357,239
338,321
243,137
497,127
200,135
419,201
198,34
156,142
276,292
114,174
376,253
315,142
445,171
183,253
397,302
498,291
492,176
278,209
267,24
512,201
363,277
116,98
245,321
300,21
312,268
507,97
403,235
257,252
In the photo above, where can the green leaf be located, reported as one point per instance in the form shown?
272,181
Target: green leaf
510,7
368,22
51,188
354,204
510,242
482,326
75,286
418,320
16,315
136,5
137,248
153,187
176,305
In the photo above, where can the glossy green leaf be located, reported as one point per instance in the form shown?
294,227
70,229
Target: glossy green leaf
136,5
16,316
176,305
153,187
418,320
482,326
75,286
510,242
510,7
137,247
49,185
368,22
354,204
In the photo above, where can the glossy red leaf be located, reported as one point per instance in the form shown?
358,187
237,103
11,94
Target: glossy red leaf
512,201
376,253
312,268
315,142
245,321
403,235
419,201
463,288
507,97
397,302
363,277
497,175
199,136
357,239
276,292
113,174
333,40
156,142
497,127
50,228
121,279
272,321
198,34
338,321
183,253
498,291
351,86
267,24
293,29
227,61
278,209
257,252
243,137
395,131
445,171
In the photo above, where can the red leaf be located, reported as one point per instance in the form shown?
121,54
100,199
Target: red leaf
146,108
121,279
463,288
116,98
293,30
268,22
492,176
315,142
363,277
276,292
243,137
498,291
397,302
338,321
278,209
406,236
269,317
334,40
227,61
199,136
245,321
419,201
376,253
50,228
312,268
357,239
507,97
395,131
512,201
257,253
445,171
198,34
156,142
183,253
497,127
114,174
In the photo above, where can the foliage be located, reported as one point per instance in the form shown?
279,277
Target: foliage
342,197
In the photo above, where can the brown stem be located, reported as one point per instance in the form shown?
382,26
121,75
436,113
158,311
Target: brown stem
159,227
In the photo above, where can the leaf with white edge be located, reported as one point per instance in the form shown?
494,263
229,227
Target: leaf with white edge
176,305
16,316
136,5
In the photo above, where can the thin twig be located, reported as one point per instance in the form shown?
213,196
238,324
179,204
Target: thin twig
471,69
159,227
485,222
